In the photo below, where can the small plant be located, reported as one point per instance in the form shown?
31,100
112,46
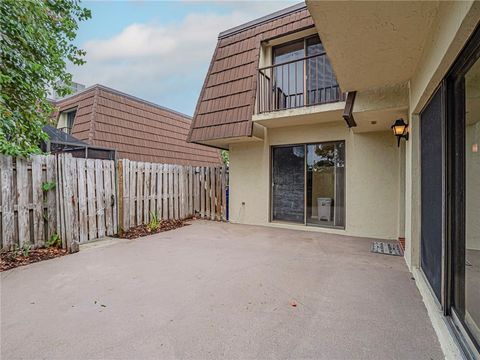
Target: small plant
54,241
26,249
48,185
12,255
154,223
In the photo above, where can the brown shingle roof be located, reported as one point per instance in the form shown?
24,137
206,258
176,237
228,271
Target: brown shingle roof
138,129
226,103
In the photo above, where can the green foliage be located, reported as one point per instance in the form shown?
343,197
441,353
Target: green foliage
54,241
154,223
12,255
26,249
48,185
225,157
36,43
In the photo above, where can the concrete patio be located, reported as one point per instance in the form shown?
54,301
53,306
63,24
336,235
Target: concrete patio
212,291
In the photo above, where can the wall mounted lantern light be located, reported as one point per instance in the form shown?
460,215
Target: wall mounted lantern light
400,130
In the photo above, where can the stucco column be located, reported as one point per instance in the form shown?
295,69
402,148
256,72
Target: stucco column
412,194
401,190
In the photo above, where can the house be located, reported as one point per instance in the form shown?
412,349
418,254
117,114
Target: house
305,100
137,129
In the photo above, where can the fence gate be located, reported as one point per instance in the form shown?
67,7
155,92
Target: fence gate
87,205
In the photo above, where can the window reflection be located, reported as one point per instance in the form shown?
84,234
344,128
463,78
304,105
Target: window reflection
472,230
326,184
288,183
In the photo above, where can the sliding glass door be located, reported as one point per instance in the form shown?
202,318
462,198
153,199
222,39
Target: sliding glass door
464,203
432,190
466,198
326,184
308,184
288,183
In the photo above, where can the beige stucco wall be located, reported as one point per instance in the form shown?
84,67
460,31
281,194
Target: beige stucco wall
454,23
372,178
451,26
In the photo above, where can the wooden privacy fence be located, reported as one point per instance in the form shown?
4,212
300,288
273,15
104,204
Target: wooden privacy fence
170,192
84,199
28,207
48,196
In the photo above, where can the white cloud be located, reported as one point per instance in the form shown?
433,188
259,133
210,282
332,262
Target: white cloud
164,63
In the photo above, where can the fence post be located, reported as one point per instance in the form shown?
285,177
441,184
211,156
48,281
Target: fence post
224,193
120,196
37,196
6,163
70,240
202,192
59,199
22,201
51,197
181,185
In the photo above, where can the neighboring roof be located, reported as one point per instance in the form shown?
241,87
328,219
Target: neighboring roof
57,136
226,103
138,129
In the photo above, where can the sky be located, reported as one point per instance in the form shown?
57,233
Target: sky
158,50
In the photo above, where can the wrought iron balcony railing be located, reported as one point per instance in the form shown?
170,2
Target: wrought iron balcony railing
297,83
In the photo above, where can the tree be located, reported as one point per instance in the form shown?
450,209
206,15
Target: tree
225,157
36,43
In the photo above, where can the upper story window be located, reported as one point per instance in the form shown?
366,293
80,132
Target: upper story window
66,119
300,75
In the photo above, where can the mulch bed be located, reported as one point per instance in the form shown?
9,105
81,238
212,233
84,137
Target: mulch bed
10,259
144,230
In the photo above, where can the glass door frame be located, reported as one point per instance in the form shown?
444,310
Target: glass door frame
441,90
304,41
305,146
456,190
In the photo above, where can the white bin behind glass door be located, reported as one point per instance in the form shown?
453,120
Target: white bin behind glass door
324,206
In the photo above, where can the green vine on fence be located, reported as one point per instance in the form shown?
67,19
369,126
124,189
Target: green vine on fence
48,185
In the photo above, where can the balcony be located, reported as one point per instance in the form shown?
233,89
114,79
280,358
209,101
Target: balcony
297,83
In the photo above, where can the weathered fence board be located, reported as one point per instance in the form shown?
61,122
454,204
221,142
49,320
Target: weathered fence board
109,190
23,216
51,217
165,192
100,197
7,201
27,210
82,201
37,201
91,206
